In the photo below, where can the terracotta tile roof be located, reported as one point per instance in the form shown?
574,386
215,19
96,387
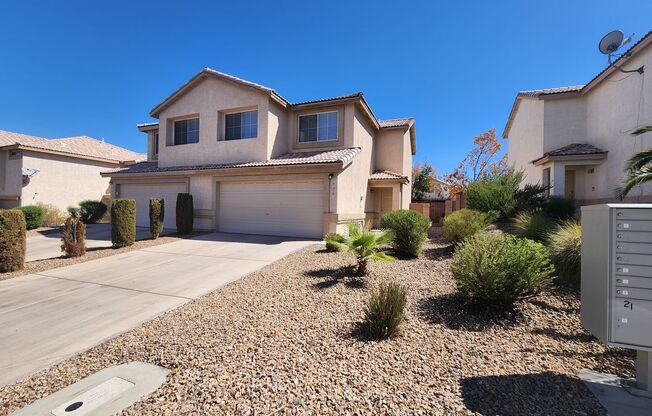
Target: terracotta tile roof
575,149
288,159
76,146
550,91
384,175
321,100
396,122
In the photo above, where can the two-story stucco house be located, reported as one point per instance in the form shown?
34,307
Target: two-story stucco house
577,139
61,172
257,164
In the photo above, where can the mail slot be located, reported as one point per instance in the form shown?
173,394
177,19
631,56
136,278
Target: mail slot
633,236
633,281
633,214
635,248
634,225
633,259
633,293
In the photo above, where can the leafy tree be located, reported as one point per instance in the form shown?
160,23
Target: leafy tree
423,181
480,162
638,170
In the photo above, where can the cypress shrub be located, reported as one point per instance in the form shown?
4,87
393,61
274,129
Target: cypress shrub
410,230
156,215
185,214
73,237
33,216
12,240
123,222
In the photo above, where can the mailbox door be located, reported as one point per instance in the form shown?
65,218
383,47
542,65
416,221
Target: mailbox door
632,318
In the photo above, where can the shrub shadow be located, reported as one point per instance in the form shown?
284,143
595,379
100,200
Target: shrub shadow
333,276
455,311
439,253
560,336
543,393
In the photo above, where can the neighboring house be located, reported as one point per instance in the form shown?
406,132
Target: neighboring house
258,164
577,139
440,192
56,171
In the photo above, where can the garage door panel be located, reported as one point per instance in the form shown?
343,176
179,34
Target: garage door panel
273,208
142,193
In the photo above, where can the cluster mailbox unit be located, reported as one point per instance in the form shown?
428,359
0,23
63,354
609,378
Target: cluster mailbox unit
617,281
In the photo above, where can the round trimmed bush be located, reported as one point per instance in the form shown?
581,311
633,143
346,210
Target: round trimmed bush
533,226
156,216
123,222
565,245
91,211
410,230
501,269
33,216
334,241
463,224
12,240
185,213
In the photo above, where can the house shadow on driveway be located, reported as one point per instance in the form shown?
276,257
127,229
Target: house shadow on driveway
543,394
455,311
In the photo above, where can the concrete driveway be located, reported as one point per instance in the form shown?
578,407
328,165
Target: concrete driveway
49,316
47,245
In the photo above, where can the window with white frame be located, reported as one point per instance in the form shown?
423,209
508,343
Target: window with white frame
242,125
186,131
318,127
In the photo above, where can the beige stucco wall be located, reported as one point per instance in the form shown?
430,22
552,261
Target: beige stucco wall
526,139
208,100
11,181
564,122
63,181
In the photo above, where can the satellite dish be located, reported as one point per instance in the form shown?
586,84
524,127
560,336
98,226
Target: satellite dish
611,42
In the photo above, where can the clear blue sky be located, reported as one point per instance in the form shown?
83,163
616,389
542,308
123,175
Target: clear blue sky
97,68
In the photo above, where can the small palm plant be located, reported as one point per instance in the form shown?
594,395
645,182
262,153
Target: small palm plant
366,244
638,170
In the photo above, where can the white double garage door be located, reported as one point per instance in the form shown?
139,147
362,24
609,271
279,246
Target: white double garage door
293,209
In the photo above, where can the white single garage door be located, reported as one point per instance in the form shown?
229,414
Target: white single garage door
293,209
143,192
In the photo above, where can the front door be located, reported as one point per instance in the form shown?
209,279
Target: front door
569,184
385,201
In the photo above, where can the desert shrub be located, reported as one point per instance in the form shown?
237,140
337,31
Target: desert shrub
185,214
565,245
503,193
409,228
73,237
33,216
560,208
501,269
123,222
156,216
73,211
385,310
335,242
533,226
12,240
366,245
462,224
91,211
52,216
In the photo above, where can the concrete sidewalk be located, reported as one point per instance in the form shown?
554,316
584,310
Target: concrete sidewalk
49,316
48,245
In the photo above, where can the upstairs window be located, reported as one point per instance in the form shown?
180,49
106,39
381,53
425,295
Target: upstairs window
155,143
318,127
241,125
186,131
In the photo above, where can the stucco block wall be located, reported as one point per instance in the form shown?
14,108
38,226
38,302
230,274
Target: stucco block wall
207,100
63,181
526,139
564,122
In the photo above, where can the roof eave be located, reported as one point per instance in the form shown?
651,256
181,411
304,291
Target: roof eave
61,153
545,159
147,127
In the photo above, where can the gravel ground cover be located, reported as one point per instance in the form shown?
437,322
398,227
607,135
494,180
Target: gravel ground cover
285,340
91,254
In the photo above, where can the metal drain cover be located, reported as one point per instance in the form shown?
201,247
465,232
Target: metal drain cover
103,393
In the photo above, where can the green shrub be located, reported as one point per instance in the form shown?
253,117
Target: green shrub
12,240
503,193
156,216
385,310
560,208
73,237
501,269
410,230
91,211
33,216
334,242
123,222
463,223
52,215
565,245
533,226
366,245
185,213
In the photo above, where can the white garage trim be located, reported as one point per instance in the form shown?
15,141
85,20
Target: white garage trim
142,192
287,208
